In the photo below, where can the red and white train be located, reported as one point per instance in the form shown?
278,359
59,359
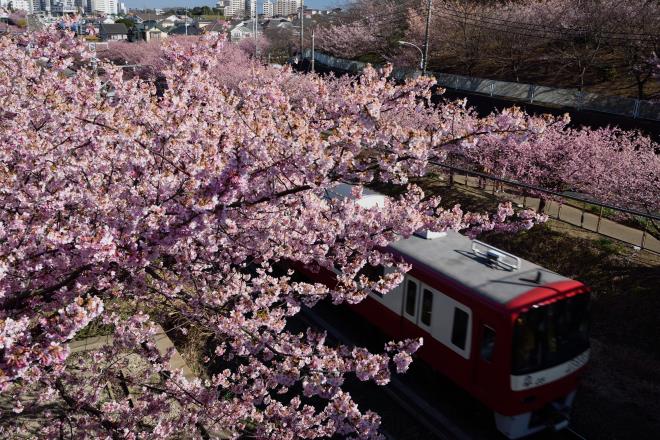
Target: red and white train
513,334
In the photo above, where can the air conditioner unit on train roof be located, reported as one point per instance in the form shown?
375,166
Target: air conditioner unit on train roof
430,235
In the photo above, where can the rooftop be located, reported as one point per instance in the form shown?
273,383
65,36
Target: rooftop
113,28
453,257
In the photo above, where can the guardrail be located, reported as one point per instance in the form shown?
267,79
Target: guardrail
534,94
569,208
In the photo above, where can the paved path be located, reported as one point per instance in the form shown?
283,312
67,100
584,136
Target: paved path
162,341
576,216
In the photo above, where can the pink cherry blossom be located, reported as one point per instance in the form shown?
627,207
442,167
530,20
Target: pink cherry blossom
186,207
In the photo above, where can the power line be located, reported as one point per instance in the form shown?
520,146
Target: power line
497,24
530,33
559,30
405,5
509,26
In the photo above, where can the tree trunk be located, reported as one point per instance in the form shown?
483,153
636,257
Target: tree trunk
640,87
541,205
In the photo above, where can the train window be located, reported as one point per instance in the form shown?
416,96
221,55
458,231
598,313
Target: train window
459,330
427,307
487,344
411,297
549,335
373,273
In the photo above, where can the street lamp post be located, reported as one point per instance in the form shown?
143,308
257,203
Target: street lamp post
426,38
407,43
302,29
313,30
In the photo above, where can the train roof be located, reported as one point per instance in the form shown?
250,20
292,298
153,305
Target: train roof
452,257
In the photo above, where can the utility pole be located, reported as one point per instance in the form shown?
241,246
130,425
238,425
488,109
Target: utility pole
186,22
426,38
302,30
313,30
253,16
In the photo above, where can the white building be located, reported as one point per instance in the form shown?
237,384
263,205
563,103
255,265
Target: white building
238,8
63,7
47,6
22,5
244,29
269,9
233,7
108,7
84,6
35,5
284,8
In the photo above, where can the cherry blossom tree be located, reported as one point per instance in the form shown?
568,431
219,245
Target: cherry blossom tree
614,166
565,43
367,27
248,46
147,55
133,209
152,57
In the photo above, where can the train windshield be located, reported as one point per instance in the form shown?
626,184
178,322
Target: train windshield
549,335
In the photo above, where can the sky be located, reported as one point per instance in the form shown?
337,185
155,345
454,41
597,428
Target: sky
191,3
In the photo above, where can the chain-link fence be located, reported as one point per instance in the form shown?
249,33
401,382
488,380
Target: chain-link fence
629,226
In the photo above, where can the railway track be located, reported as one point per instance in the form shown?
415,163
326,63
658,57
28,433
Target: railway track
421,419
407,412
572,434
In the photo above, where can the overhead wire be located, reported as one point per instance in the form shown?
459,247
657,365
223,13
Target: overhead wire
533,34
498,24
398,14
529,29
549,28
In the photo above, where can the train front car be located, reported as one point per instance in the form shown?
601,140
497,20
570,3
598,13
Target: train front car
550,346
510,332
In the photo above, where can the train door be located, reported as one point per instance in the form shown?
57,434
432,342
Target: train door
410,306
485,373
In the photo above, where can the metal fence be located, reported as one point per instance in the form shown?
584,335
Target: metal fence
575,209
549,96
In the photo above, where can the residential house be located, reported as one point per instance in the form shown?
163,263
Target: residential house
182,29
244,29
172,18
141,17
278,23
215,28
113,32
147,31
155,34
168,23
